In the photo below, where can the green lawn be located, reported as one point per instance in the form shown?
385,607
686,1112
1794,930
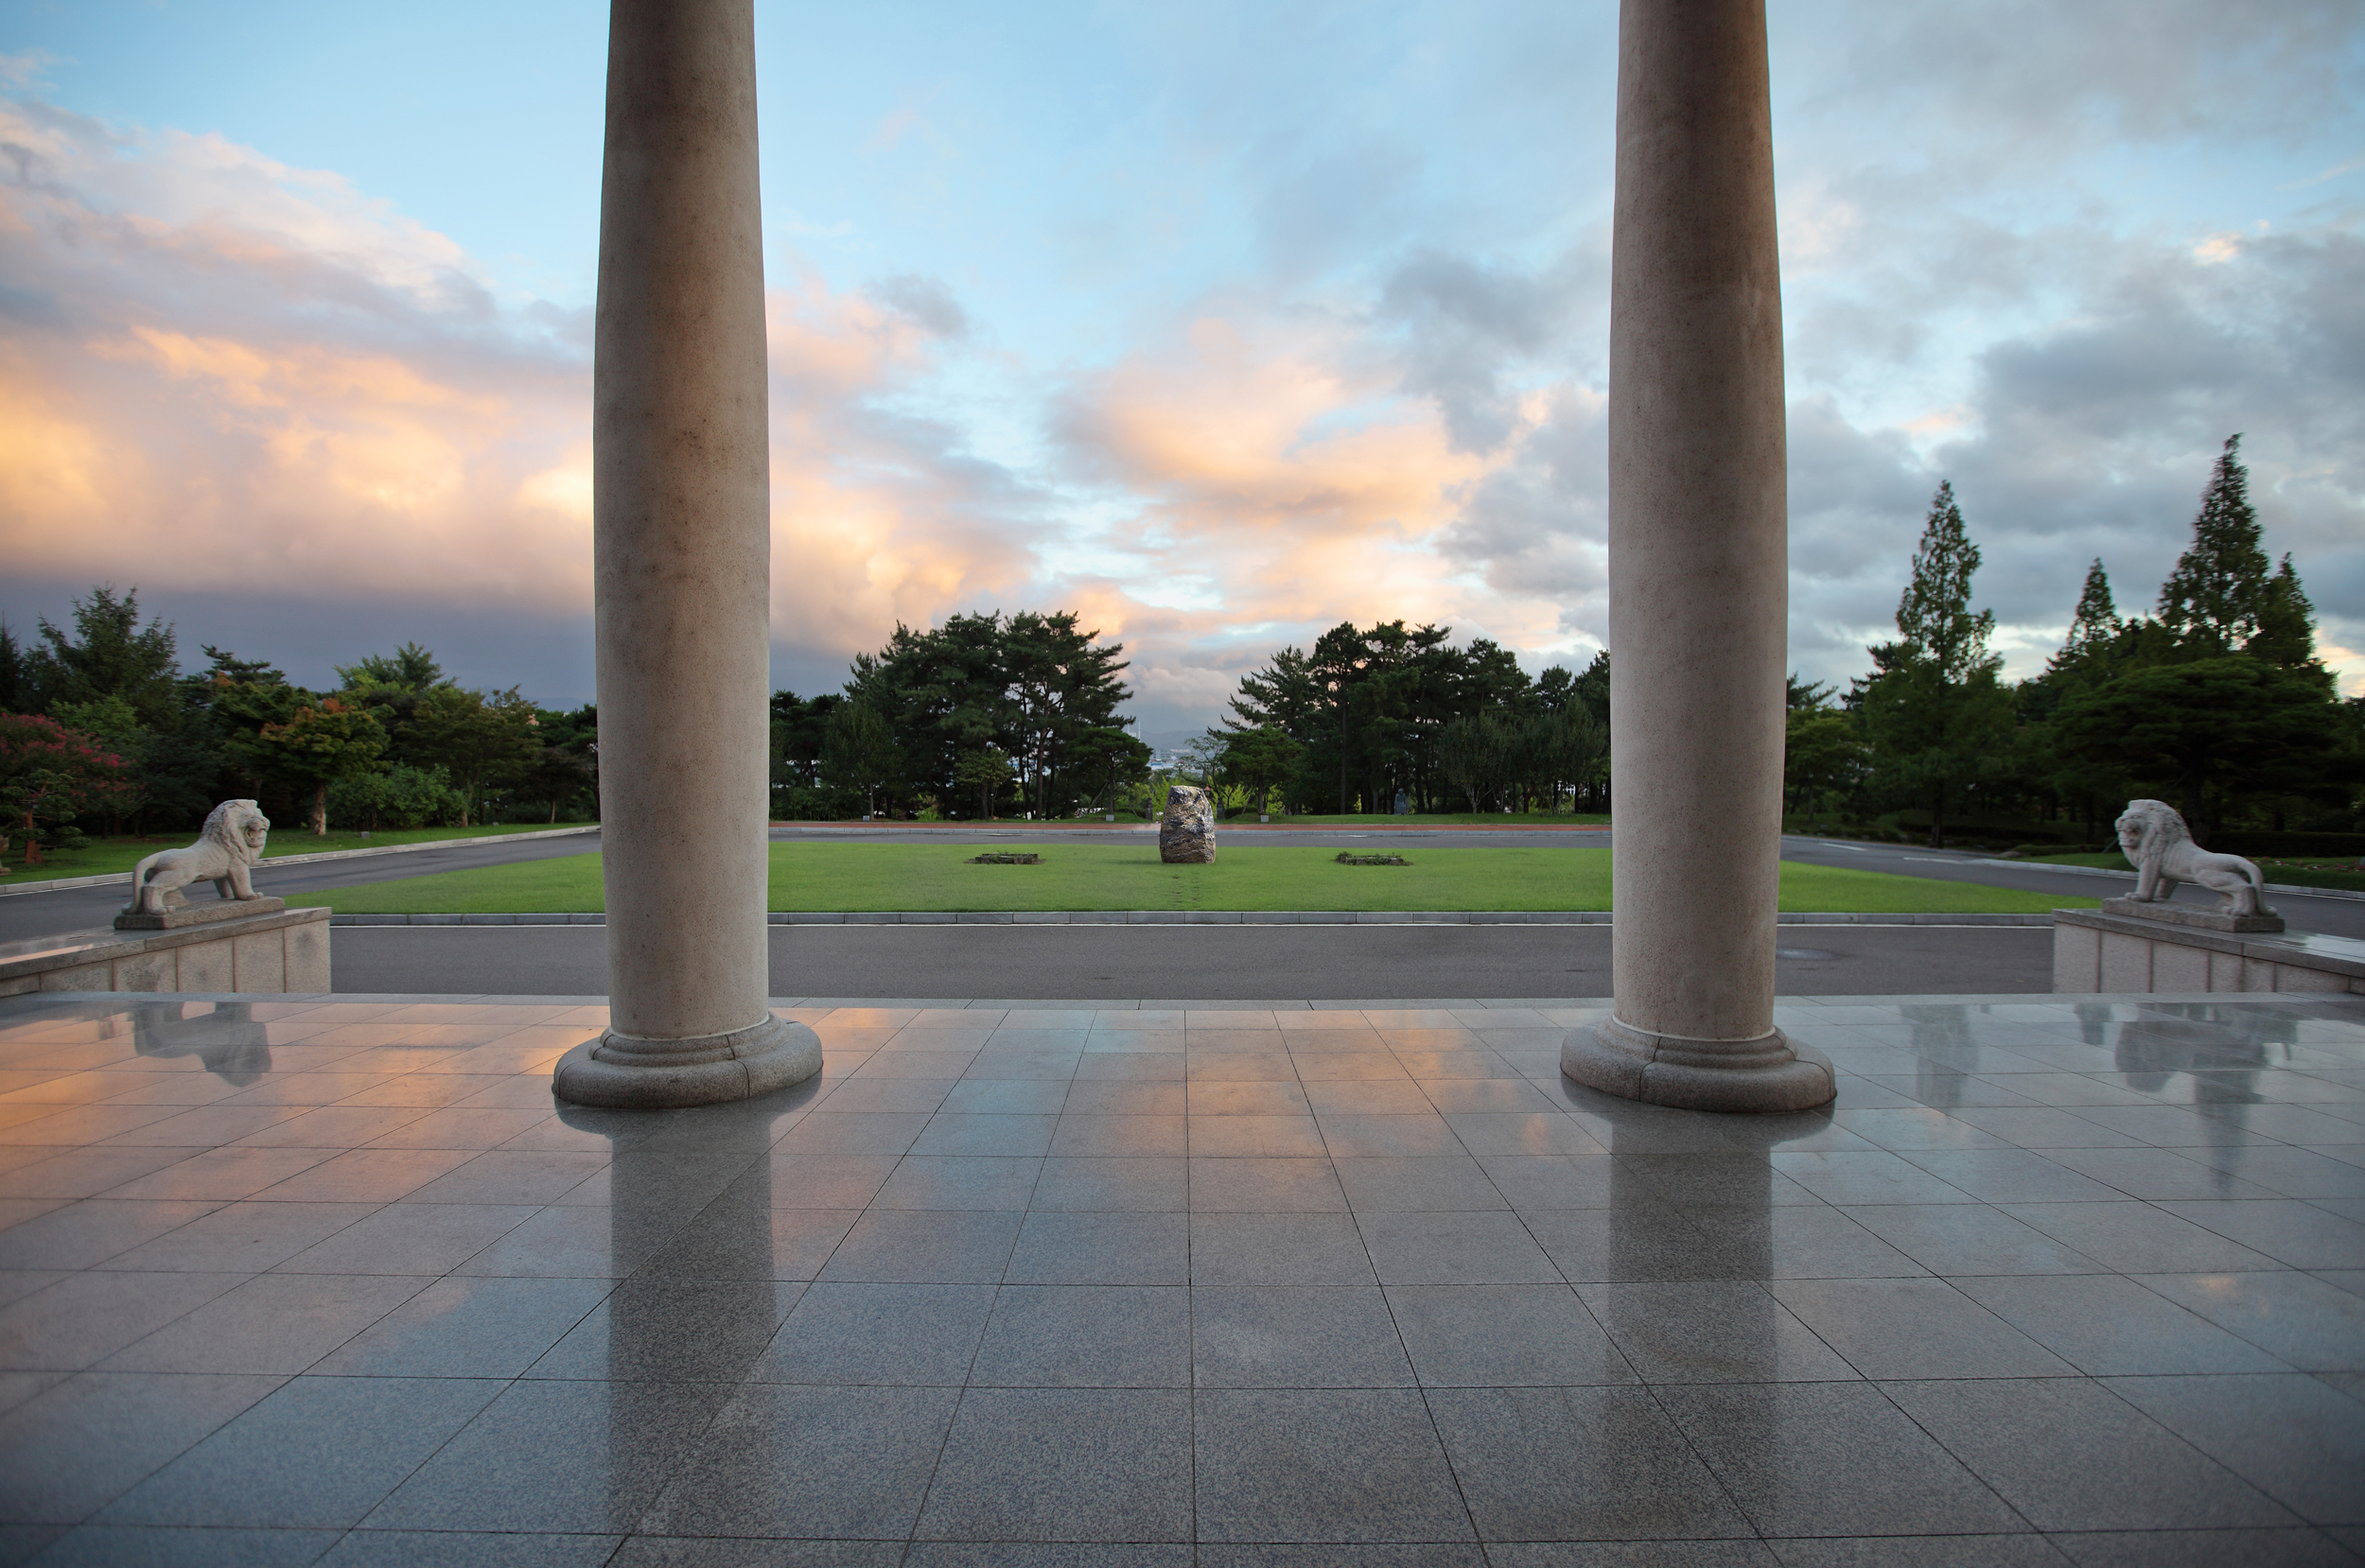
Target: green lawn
125,851
2312,871
849,876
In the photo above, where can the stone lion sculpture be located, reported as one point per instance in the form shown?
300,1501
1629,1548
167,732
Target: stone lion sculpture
224,854
2153,835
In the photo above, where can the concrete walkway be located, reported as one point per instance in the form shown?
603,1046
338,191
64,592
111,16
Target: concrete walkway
330,1279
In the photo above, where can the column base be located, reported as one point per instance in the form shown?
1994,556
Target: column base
1765,1074
632,1073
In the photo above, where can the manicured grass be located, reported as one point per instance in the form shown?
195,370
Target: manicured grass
851,877
2303,871
125,851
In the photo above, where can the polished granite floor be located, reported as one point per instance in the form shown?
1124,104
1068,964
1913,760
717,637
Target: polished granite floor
331,1281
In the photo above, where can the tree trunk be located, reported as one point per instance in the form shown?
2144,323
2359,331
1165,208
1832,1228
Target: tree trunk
1938,820
319,812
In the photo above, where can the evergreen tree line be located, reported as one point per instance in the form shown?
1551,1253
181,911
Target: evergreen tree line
101,730
987,715
2216,702
1377,713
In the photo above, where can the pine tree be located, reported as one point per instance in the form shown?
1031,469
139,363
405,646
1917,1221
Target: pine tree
2096,622
1933,709
2211,603
1934,614
2286,623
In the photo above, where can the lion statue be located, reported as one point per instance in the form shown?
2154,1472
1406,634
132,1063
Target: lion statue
2153,836
224,854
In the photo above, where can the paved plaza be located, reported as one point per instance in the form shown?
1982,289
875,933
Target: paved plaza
331,1280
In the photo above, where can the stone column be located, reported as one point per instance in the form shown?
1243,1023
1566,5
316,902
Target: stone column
682,546
1698,584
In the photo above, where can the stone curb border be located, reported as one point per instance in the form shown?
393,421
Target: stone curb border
1196,917
62,883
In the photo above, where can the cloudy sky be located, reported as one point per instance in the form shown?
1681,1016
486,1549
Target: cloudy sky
1220,323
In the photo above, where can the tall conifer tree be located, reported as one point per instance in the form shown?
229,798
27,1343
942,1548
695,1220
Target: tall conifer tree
2212,602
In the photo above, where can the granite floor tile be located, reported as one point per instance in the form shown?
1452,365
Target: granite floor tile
923,1247
1064,1464
754,1241
512,1176
80,1318
221,1174
244,1238
1087,1336
466,1328
598,1453
274,1323
1261,1136
1137,1184
1345,1135
1101,1249
1946,1551
824,1180
2138,1238
2289,1435
1408,1184
786,1460
467,1549
185,1546
1915,1329
1454,1249
369,1176
1956,1239
901,1334
584,1244
960,1182
1847,1176
1835,1459
2289,1232
2294,1318
1579,1464
95,1230
1504,1336
1323,1465
411,1238
2035,1443
1119,1136
1499,1133
78,1445
1295,1336
2295,1547
1529,1181
2107,1325
1803,1242
359,1437
1637,1237
1264,1186
1710,1331
638,1330
1120,1097
48,1172
1278,1249
969,1133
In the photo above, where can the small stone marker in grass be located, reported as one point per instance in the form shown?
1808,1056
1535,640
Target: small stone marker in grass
1006,858
1345,859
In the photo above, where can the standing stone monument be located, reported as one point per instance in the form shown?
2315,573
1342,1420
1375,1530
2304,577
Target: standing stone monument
1186,835
1698,574
682,545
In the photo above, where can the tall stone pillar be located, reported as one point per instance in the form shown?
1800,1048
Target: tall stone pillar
682,547
1698,542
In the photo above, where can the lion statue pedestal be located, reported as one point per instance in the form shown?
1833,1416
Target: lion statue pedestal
224,854
2153,837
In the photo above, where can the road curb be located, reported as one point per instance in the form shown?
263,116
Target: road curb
61,884
1195,917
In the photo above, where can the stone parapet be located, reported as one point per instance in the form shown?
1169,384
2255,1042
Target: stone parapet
285,950
1203,918
2117,953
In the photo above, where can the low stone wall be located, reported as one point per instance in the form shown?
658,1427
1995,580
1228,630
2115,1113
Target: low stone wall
286,950
2095,952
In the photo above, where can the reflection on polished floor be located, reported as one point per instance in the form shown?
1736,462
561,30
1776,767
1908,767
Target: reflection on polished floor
331,1281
